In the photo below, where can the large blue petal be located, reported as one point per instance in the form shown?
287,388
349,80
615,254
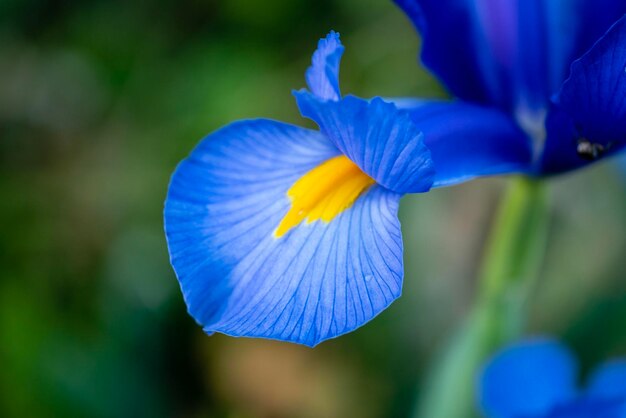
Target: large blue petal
467,141
511,53
527,379
609,380
317,281
322,76
588,119
379,138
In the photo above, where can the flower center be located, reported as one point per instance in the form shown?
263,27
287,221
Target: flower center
324,192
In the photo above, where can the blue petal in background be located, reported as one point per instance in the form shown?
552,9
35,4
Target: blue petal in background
609,380
588,408
527,379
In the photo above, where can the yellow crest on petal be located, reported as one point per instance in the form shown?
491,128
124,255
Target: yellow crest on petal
324,192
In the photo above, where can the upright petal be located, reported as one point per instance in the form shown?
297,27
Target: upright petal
574,26
527,379
473,46
379,138
316,280
588,120
609,380
511,53
467,141
322,76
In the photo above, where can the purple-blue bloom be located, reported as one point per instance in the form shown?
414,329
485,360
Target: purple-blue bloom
282,232
538,379
556,67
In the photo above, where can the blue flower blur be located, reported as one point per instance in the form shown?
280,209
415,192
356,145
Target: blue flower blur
282,232
538,379
556,67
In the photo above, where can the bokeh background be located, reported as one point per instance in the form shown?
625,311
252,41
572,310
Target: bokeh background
100,99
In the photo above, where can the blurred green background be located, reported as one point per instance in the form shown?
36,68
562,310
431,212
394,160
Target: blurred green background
99,100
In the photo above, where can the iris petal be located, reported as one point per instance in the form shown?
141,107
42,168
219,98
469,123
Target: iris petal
322,76
467,141
315,282
472,46
574,26
527,379
588,120
379,138
448,46
512,53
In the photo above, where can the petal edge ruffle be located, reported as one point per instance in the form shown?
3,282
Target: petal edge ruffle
322,76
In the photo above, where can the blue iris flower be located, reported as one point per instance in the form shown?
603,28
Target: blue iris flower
556,67
538,379
282,232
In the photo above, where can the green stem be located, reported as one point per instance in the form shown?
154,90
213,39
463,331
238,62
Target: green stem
511,263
